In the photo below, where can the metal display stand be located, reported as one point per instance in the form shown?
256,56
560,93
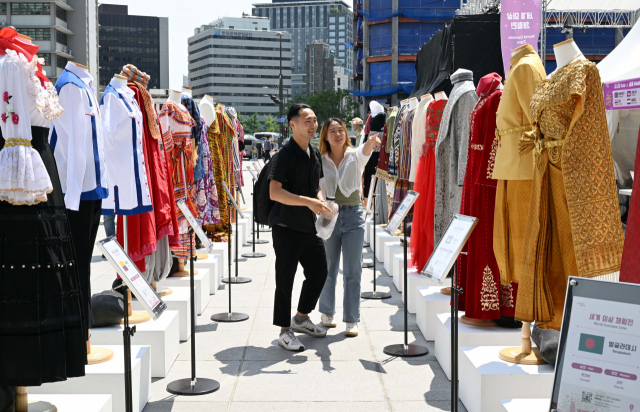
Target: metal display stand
236,278
375,294
128,331
405,349
455,381
253,253
192,386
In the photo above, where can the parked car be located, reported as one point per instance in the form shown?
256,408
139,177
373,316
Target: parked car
249,145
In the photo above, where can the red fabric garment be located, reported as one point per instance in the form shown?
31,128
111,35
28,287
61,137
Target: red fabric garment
367,126
631,252
10,39
483,297
421,243
383,160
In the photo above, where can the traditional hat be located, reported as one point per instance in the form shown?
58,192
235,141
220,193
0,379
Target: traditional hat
356,120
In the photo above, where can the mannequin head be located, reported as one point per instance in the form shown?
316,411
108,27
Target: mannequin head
208,109
440,96
566,52
187,90
122,81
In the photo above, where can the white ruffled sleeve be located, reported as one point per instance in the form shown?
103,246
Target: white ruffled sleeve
23,178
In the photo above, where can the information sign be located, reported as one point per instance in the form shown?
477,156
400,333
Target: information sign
233,201
253,173
401,212
196,227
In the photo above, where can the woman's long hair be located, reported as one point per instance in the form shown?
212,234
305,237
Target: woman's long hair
325,147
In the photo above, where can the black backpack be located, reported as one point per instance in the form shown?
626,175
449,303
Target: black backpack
262,203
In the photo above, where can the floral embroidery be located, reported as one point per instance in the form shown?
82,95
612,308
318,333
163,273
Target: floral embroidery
477,147
6,97
506,296
489,294
14,116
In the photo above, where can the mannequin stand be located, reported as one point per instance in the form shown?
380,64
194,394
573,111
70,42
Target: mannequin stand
134,316
181,273
253,253
455,382
22,403
524,355
194,386
202,256
235,279
228,316
163,292
263,229
477,322
446,291
375,294
96,354
406,350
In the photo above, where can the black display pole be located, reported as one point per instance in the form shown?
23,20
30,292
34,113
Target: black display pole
192,386
254,254
455,290
229,316
375,294
128,331
405,350
367,265
236,279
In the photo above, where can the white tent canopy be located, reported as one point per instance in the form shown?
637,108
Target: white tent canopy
623,63
605,5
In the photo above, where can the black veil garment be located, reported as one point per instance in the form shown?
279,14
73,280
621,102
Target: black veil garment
434,64
42,329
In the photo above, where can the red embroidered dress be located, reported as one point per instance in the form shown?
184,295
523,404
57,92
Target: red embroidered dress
421,242
482,295
176,124
631,252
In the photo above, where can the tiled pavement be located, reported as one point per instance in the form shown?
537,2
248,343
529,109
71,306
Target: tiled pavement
335,373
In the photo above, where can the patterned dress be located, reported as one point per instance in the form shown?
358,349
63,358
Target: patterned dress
421,242
206,192
176,124
404,164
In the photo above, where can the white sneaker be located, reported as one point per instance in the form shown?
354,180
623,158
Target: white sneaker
352,329
289,341
308,327
327,321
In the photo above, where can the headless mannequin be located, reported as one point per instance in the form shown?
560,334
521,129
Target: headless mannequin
120,80
567,52
426,98
207,109
413,103
517,49
440,96
187,90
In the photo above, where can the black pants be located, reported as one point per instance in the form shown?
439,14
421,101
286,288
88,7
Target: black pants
293,247
267,155
84,226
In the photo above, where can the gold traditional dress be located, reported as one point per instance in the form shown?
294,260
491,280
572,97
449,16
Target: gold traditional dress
574,226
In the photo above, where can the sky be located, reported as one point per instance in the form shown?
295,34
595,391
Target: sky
184,16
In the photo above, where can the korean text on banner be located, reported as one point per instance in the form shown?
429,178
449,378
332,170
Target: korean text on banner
519,25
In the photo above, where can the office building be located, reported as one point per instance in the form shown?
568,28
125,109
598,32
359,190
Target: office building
65,30
330,21
139,40
237,60
319,67
342,78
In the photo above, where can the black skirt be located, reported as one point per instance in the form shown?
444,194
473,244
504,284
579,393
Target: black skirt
42,332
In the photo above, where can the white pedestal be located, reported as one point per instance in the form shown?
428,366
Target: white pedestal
211,262
469,336
244,228
76,403
367,230
180,301
525,405
397,269
162,335
485,379
108,378
221,249
382,238
202,287
390,249
371,232
430,302
415,280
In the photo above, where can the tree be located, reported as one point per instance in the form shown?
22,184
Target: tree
270,124
250,124
327,104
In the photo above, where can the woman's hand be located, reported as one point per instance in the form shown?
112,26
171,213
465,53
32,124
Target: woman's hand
373,141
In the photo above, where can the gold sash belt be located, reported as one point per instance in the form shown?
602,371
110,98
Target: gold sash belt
17,142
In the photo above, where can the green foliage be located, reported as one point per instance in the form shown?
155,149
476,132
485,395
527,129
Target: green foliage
327,104
250,124
270,125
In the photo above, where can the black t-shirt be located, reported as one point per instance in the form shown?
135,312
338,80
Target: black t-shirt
300,174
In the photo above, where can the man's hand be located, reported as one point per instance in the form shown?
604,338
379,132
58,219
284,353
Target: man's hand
317,206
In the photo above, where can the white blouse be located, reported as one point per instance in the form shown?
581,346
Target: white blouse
347,176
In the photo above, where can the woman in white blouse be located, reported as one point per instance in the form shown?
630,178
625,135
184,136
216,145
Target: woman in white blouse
343,167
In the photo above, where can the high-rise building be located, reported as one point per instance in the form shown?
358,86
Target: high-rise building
65,30
139,40
309,20
237,61
320,60
342,78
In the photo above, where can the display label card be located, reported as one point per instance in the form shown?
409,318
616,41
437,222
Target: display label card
598,362
622,95
401,212
255,166
372,189
446,252
253,173
196,227
239,188
261,163
131,276
233,201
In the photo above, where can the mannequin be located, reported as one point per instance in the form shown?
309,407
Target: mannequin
566,52
427,96
175,97
207,109
86,69
440,96
517,49
121,80
187,90
413,103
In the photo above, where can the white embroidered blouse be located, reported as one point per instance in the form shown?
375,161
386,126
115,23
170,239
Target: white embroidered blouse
347,176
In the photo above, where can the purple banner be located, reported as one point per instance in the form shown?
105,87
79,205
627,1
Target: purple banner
622,95
519,25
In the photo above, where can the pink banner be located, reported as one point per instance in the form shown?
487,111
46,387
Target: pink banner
519,25
622,95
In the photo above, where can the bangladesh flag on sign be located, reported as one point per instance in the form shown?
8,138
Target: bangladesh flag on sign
591,343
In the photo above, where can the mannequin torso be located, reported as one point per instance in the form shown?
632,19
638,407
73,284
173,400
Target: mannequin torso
207,109
426,98
517,49
187,90
440,96
567,52
120,80
175,97
413,103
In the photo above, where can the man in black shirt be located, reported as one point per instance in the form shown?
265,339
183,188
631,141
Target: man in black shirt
294,186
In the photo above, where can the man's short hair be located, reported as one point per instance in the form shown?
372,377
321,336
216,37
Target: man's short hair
294,110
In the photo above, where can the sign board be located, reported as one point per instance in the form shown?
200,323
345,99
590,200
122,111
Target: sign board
446,252
194,224
239,188
372,189
283,119
233,201
255,166
253,173
519,25
131,276
401,212
622,95
598,362
261,163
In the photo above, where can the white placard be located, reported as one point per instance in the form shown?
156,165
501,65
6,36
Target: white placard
131,276
233,201
401,212
239,189
253,173
372,189
446,252
255,166
194,224
261,163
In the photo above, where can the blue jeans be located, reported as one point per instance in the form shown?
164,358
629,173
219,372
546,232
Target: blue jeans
110,225
347,237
